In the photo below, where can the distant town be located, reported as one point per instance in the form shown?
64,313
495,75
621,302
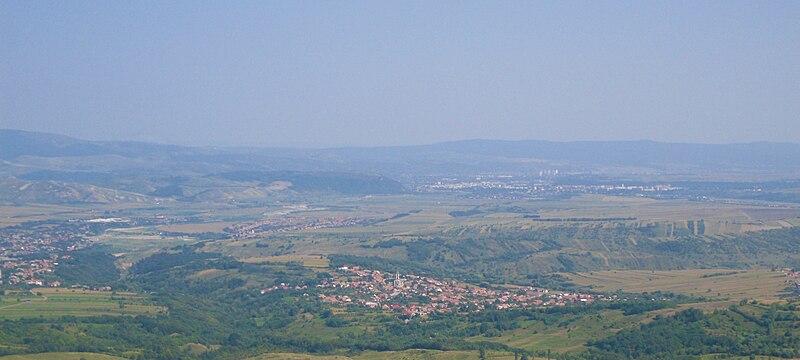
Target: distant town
545,185
30,253
26,255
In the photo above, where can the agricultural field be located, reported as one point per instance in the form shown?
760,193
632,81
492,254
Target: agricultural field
196,228
394,355
571,336
193,261
56,302
406,216
15,215
313,261
710,283
61,356
131,245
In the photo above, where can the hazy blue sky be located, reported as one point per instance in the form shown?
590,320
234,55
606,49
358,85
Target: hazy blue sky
329,73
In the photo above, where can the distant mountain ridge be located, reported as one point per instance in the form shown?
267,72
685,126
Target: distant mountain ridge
633,152
16,143
47,168
24,152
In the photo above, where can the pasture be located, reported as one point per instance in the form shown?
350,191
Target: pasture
394,355
196,228
315,261
711,283
569,336
56,302
15,215
61,356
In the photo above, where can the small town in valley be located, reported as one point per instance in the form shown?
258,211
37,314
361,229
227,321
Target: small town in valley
409,295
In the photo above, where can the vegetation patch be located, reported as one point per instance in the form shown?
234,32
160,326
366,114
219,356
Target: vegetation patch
710,283
59,302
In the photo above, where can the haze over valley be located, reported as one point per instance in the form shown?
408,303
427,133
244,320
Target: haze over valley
399,180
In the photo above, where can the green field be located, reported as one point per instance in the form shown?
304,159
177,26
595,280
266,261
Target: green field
61,356
519,242
569,337
429,216
394,355
711,283
313,261
50,302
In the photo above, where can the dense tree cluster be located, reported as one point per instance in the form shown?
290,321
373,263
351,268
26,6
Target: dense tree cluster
757,330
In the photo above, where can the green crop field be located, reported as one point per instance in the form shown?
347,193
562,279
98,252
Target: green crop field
61,356
15,215
307,260
537,336
49,302
394,355
712,283
588,239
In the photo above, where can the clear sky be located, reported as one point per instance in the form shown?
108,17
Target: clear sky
333,73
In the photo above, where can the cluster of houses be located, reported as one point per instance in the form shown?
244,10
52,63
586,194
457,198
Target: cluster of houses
412,296
20,242
28,254
93,288
793,277
497,186
29,271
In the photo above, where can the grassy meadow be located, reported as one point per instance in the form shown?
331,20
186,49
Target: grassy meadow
710,283
56,302
394,355
61,356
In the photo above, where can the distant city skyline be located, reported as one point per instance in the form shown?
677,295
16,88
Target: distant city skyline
316,74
